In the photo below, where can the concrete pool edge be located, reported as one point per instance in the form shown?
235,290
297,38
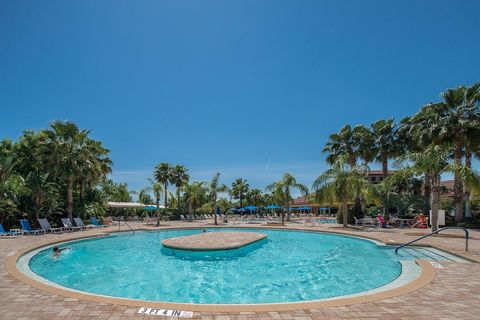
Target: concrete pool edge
426,275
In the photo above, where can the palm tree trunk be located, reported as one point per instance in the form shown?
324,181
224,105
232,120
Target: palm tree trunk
158,210
435,205
427,193
283,214
458,185
468,164
215,209
165,195
386,204
178,200
190,208
70,197
345,212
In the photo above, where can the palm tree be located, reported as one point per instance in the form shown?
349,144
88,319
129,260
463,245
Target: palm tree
214,188
163,174
352,143
282,190
39,188
157,189
435,160
342,182
144,196
255,197
239,189
385,147
71,152
179,178
193,191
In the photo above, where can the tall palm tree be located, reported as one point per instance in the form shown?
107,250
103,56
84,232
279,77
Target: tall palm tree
214,188
239,189
356,143
71,151
179,178
163,174
283,190
385,147
39,188
193,191
343,182
157,189
435,160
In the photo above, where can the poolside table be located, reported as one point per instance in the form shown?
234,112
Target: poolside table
404,222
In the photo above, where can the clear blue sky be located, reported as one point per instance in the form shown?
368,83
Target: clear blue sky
248,88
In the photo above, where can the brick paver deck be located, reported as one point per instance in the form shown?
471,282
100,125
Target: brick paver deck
453,294
214,241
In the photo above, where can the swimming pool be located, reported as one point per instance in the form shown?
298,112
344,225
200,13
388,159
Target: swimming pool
288,266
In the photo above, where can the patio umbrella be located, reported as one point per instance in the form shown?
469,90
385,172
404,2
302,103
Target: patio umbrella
250,208
273,206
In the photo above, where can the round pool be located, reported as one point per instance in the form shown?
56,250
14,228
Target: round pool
287,266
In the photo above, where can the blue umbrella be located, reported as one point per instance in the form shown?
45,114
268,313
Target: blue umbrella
250,208
150,207
273,206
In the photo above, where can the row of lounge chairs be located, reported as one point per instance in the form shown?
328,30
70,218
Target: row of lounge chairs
46,227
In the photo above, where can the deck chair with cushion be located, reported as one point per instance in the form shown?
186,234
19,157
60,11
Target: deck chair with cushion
67,225
26,228
11,233
45,225
97,224
79,223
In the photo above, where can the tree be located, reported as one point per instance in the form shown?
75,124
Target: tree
282,190
255,197
239,189
384,147
214,188
71,152
157,189
351,143
144,196
164,174
193,192
435,160
40,189
179,178
343,181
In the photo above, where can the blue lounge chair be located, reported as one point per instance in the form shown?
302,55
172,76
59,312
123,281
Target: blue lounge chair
95,222
28,230
47,227
11,233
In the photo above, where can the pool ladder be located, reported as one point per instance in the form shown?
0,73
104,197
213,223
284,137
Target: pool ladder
435,232
123,220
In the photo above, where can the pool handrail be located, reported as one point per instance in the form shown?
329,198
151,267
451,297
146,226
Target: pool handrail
435,232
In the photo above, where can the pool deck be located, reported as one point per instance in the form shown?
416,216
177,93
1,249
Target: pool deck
453,294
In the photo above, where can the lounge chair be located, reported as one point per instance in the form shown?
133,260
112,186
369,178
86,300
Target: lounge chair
67,225
26,228
11,233
358,222
47,227
79,223
95,222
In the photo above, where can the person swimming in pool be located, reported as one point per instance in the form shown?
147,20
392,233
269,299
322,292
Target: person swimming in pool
57,251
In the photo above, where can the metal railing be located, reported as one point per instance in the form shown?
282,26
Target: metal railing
123,220
435,232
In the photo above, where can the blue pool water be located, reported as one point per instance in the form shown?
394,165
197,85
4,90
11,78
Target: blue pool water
288,266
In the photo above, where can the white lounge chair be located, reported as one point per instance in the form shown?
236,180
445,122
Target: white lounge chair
67,225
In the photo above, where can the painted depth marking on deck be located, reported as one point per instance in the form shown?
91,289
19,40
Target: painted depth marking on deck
436,265
165,312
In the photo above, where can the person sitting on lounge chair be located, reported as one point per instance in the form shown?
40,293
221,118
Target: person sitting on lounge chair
420,222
